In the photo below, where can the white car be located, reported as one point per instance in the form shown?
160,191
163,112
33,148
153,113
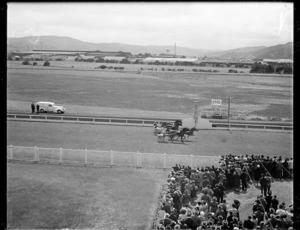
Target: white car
49,107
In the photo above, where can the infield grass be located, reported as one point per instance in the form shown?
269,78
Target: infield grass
253,95
54,197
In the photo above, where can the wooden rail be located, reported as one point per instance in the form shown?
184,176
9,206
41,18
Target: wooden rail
258,125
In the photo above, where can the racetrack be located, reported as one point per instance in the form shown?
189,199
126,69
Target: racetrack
121,138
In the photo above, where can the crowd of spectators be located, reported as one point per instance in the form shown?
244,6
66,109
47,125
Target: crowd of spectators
184,210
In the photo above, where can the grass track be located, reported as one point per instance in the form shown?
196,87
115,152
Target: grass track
121,138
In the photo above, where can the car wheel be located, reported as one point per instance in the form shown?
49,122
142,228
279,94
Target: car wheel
59,111
41,111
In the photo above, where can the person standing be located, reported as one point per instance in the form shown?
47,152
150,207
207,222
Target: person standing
236,179
263,185
291,167
32,107
269,181
37,108
243,177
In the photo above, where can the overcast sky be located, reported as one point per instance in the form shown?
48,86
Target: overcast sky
194,25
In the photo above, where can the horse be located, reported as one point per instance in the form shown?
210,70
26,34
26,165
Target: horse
188,133
175,126
180,134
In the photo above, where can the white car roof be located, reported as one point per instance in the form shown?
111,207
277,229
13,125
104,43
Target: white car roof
45,102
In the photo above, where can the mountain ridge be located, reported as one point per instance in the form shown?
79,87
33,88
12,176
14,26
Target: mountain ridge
282,51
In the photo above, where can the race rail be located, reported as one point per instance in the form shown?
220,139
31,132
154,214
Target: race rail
147,122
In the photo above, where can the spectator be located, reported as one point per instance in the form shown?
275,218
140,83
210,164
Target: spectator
268,200
291,167
279,170
269,180
186,198
196,220
32,107
274,202
263,185
205,197
216,192
233,210
222,191
257,174
285,166
254,221
243,177
280,211
214,205
260,215
236,179
248,224
37,108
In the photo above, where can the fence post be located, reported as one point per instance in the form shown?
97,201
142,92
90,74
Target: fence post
164,161
137,159
111,158
140,159
11,152
36,156
191,160
86,156
35,153
60,155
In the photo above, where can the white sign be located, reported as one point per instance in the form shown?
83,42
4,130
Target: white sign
216,101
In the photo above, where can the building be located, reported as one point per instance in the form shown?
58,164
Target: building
68,53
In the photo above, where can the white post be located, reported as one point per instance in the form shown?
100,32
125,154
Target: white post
86,156
11,151
35,153
191,160
60,155
140,160
111,158
164,160
36,156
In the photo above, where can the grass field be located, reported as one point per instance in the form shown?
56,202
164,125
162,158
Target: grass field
55,197
253,95
128,67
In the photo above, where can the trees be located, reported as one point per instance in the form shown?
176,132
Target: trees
46,63
262,68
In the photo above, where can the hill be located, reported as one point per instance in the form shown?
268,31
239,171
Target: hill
68,43
29,43
284,51
237,51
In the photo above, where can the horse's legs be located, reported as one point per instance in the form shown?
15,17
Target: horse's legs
182,139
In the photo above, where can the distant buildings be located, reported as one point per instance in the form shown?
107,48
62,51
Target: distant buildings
70,53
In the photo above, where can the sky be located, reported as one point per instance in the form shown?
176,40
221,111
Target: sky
209,26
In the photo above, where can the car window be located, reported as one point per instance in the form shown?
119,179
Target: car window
50,105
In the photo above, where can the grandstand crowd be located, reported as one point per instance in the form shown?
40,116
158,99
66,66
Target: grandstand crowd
195,196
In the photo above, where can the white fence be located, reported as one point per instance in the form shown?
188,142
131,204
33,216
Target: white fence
107,158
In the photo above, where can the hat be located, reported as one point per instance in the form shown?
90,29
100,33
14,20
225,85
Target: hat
236,228
172,179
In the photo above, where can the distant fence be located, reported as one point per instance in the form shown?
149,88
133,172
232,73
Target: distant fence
148,122
107,158
87,119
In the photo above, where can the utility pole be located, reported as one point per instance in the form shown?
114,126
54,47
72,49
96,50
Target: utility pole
196,113
229,101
